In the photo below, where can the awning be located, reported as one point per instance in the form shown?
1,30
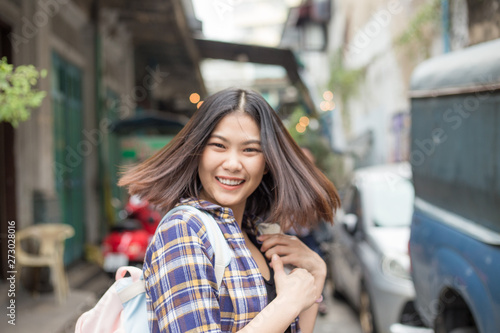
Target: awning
152,122
259,55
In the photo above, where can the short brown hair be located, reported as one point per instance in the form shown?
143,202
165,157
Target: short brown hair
292,191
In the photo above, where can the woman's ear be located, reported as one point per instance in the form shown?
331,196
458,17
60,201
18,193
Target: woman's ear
266,170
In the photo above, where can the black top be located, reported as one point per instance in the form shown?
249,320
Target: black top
270,286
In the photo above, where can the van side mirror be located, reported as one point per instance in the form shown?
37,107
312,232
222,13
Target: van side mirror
349,222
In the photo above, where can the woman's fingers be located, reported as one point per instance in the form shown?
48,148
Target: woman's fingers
281,250
293,252
289,247
272,240
285,260
298,287
277,265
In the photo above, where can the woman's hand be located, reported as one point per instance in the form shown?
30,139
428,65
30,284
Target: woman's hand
296,293
293,252
297,288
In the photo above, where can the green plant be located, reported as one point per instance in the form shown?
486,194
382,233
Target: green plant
18,93
422,27
344,83
330,163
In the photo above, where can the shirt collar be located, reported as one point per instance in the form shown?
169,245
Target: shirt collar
224,213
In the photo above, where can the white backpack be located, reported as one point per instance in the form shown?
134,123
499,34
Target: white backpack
122,308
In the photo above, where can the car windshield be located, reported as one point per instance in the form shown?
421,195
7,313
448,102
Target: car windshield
390,202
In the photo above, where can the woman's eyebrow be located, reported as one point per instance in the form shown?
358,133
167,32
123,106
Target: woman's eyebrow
248,142
218,137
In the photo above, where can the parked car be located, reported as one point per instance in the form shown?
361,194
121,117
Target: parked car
455,233
369,256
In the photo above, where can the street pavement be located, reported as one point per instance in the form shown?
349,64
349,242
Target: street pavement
340,317
42,313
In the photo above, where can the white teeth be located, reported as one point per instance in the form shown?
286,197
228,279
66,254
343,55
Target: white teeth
230,182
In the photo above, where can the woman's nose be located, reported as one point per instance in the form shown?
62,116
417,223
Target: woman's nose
232,163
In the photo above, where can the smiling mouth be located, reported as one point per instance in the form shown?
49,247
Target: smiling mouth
230,182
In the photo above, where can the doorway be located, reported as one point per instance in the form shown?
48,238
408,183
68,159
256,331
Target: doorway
7,170
70,151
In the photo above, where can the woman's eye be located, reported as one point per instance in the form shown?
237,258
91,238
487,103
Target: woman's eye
217,145
252,150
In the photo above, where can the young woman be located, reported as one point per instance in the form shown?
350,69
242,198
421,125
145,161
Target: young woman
235,160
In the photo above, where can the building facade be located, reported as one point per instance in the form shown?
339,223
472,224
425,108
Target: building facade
370,48
105,60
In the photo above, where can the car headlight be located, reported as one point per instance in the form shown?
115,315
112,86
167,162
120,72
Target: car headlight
396,266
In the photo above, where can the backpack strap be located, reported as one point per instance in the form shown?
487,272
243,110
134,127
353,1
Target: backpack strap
132,290
135,288
134,272
223,252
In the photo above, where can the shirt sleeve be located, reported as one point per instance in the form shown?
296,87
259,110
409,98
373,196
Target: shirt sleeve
180,279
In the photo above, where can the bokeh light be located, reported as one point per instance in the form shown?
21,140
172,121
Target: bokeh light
194,98
324,106
199,104
328,95
300,128
304,121
314,124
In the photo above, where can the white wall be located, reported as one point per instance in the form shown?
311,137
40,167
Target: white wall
365,31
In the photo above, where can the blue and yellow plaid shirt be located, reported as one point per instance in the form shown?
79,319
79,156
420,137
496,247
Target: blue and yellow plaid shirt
182,293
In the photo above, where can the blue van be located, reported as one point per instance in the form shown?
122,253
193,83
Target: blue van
455,157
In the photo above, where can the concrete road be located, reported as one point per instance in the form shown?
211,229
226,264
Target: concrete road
43,314
340,317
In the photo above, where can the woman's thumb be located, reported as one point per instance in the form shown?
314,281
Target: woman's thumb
277,265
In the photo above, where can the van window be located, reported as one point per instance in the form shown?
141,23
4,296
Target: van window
390,203
455,155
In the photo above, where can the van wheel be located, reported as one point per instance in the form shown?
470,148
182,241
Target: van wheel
455,316
366,317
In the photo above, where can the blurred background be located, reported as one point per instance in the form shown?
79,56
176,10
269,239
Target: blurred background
114,80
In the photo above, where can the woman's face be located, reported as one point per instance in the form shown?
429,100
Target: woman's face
232,164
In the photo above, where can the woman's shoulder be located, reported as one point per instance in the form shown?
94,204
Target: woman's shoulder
188,213
180,226
182,215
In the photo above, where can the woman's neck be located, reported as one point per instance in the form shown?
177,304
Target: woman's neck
238,216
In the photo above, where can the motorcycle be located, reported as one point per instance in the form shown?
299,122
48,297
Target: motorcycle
127,242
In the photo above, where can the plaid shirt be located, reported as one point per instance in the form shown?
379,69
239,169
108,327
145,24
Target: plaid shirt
182,293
